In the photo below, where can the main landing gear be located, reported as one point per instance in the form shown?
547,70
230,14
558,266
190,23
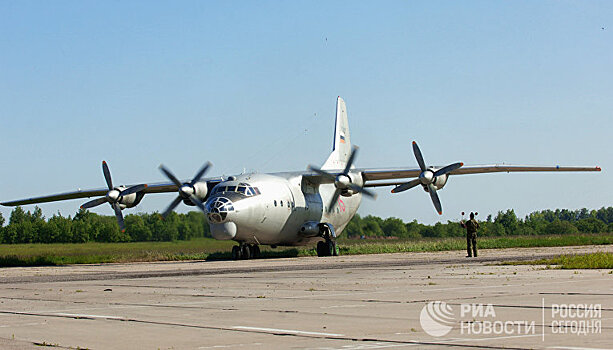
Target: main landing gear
328,246
245,251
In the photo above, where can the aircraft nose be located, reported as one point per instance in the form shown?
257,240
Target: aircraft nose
217,209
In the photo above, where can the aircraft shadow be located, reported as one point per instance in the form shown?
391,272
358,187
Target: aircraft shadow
267,254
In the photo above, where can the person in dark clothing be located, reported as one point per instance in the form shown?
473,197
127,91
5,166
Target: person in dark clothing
471,227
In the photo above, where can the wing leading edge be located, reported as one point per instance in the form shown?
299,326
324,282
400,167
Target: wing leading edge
373,176
160,187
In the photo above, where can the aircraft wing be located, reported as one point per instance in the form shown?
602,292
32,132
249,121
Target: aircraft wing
374,177
160,187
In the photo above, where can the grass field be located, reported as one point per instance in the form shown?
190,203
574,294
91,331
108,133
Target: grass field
600,260
210,249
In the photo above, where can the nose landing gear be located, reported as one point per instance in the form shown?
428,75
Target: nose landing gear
245,251
327,247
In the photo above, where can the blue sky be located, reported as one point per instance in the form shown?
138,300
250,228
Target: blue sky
252,85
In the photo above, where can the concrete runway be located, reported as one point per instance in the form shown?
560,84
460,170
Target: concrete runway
347,302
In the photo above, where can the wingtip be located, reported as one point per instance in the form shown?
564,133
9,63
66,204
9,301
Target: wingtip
414,142
461,164
440,212
598,168
123,231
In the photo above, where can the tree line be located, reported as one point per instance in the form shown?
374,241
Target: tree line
85,226
507,223
32,227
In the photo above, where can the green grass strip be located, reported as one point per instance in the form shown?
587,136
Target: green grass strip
601,260
210,249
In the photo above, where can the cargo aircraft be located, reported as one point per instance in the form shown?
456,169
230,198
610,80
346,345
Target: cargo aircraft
289,208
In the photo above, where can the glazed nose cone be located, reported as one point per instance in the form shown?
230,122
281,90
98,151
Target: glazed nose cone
220,212
218,209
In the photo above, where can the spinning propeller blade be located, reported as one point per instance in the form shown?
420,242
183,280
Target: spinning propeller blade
113,196
406,186
107,175
435,200
427,178
447,169
172,206
186,190
419,157
96,202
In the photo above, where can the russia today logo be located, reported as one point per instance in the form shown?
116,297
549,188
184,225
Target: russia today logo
436,318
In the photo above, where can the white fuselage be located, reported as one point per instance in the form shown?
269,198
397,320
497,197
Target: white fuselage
274,207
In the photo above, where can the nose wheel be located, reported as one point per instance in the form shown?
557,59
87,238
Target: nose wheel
327,247
245,251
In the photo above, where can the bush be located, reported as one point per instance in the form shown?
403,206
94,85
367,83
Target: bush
560,227
591,225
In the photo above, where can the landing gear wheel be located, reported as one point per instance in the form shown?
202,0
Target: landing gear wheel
246,252
255,251
327,248
334,249
330,248
321,248
236,253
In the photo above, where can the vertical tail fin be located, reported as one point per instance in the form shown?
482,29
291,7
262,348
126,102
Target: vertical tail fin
341,148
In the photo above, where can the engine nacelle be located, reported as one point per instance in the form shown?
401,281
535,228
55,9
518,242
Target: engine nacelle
353,178
130,200
200,190
348,192
310,229
440,181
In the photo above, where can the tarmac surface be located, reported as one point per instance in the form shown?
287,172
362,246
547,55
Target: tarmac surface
346,302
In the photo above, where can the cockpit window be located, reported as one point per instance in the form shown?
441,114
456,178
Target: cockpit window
243,188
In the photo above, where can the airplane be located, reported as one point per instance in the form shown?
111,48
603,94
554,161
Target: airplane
289,208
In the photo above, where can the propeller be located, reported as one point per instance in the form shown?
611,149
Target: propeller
427,177
186,190
342,181
113,196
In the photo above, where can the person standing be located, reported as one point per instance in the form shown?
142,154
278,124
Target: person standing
471,227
